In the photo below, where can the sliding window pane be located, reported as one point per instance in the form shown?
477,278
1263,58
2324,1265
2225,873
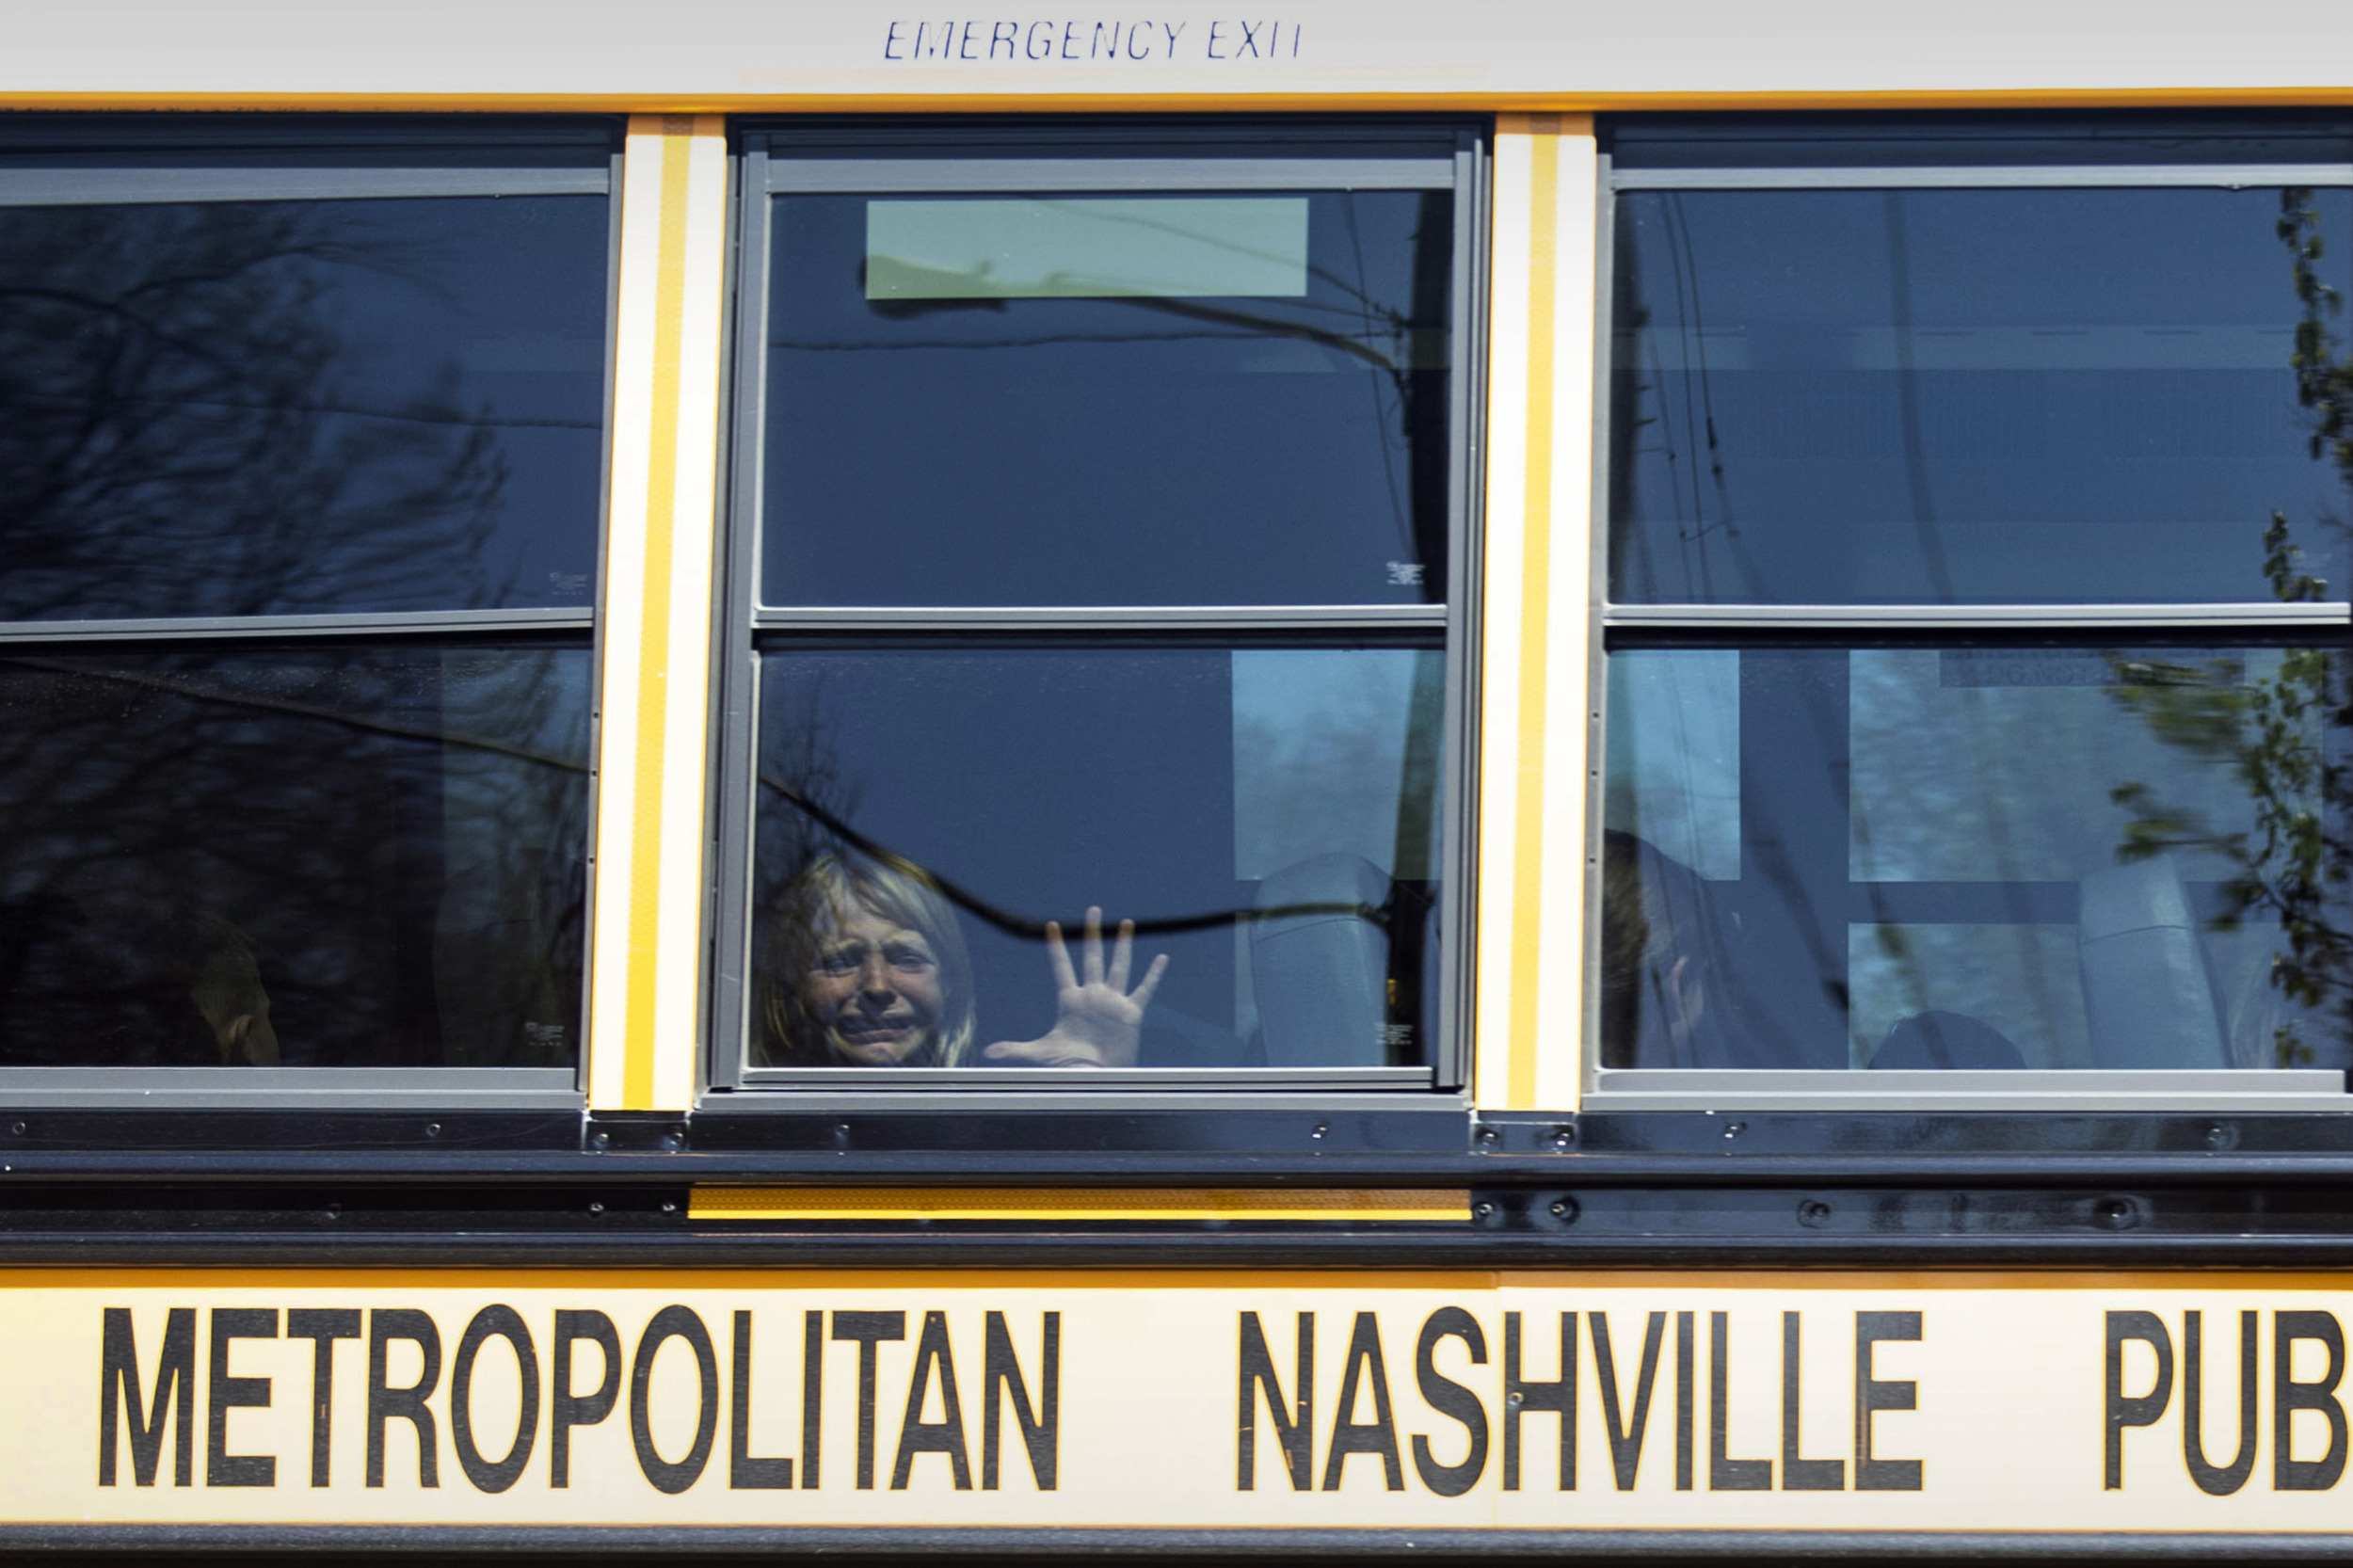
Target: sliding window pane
1268,817
235,408
2051,856
285,856
1935,396
1146,399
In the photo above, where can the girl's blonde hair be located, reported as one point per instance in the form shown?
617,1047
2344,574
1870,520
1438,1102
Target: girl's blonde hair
815,904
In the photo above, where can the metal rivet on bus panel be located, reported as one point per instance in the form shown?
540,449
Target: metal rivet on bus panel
1482,1209
595,1207
672,1142
1735,1129
17,1127
2221,1136
2115,1214
1563,1136
601,1141
1319,1129
1515,1398
432,1130
1564,1210
669,1207
1489,1136
1814,1213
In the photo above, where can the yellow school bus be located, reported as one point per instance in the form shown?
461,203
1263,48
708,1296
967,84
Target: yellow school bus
977,784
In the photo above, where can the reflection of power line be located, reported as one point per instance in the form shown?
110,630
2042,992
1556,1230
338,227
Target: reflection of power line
196,692
1374,358
1697,373
1253,323
1034,930
1908,402
350,410
1362,293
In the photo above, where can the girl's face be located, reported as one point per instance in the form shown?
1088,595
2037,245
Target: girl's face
875,989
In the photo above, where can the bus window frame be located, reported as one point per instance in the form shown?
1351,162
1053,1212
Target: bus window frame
91,160
1807,1094
1129,154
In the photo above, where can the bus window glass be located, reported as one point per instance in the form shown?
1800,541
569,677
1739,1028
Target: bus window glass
2053,855
296,857
1266,817
1140,400
217,409
1966,396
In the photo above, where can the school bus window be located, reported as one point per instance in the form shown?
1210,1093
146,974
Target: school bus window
1976,688
299,495
1140,400
1283,793
1094,580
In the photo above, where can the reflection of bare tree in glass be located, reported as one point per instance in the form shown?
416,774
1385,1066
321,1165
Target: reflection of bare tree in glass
409,899
2280,731
182,437
390,832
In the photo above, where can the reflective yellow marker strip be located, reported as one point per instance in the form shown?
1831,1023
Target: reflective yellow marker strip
1093,1203
1537,609
645,992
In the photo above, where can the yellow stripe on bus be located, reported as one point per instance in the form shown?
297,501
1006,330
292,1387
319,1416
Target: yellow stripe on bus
987,1203
644,951
1535,597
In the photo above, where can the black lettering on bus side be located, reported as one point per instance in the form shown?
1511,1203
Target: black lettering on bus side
1685,1376
1041,1424
2217,1480
812,1395
566,1409
495,1321
1625,1438
1451,1400
386,1403
1800,1475
175,1392
2288,1473
747,1472
933,1359
1725,1472
1295,1435
674,1322
2135,1410
868,1329
1350,1436
224,1394
1873,1395
323,1326
1521,1395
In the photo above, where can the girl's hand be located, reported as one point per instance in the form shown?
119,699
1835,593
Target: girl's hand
1098,1022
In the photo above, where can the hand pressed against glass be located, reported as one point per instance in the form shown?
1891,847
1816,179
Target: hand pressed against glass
875,989
1098,1022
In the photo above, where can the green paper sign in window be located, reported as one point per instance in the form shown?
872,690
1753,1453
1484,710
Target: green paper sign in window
1089,247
